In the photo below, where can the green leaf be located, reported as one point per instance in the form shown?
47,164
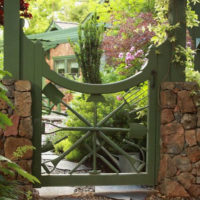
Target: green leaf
4,97
7,171
22,172
4,121
4,73
19,170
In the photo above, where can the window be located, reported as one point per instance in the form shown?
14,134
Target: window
66,65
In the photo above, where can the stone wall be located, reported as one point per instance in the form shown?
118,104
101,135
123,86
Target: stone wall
20,133
179,174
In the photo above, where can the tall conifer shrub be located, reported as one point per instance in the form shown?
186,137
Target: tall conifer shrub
88,51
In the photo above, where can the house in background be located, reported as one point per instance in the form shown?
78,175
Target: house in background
55,41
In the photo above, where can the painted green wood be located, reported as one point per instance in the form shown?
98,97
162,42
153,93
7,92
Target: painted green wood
123,85
53,38
137,131
63,57
107,129
158,74
96,98
31,65
52,93
95,88
12,41
99,179
32,56
197,60
22,59
177,14
161,72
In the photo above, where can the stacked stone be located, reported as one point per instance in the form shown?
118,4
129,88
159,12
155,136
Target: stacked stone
179,174
20,133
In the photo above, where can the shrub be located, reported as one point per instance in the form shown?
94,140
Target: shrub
87,50
75,155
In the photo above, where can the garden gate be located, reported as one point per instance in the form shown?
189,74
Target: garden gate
26,61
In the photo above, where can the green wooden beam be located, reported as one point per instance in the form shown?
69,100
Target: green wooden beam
177,14
101,179
12,37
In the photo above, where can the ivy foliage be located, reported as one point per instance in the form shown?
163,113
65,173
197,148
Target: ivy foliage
163,27
118,8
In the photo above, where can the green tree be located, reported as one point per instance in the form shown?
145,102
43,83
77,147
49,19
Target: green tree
120,8
74,11
87,50
43,13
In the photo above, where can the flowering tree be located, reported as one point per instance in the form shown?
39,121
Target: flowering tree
131,61
23,10
125,48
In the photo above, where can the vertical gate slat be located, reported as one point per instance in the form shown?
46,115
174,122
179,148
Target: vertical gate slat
12,41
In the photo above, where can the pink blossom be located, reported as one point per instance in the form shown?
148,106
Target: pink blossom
120,55
189,44
128,54
139,53
129,57
119,98
132,49
126,67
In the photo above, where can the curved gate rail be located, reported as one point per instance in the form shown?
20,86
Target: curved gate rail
28,63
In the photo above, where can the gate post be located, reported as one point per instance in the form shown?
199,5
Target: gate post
12,38
177,14
24,60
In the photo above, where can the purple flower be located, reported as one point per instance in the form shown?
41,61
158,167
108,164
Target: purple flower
129,57
128,54
120,55
119,98
189,44
132,49
139,53
126,67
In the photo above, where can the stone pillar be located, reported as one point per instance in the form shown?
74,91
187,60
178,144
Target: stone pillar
179,174
20,133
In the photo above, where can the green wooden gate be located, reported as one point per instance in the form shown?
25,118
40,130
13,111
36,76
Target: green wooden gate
145,170
28,63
